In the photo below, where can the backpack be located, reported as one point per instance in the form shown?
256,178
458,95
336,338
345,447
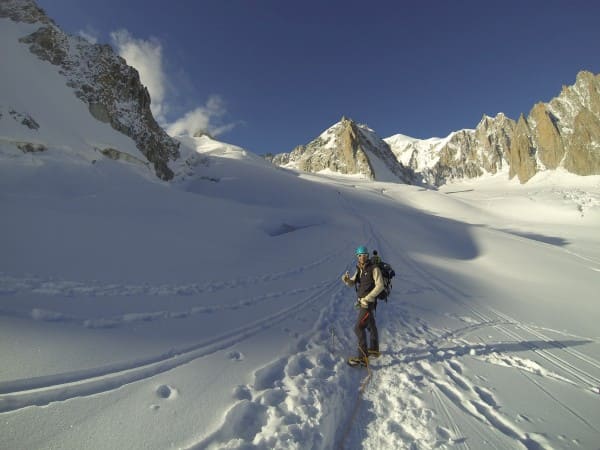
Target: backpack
387,273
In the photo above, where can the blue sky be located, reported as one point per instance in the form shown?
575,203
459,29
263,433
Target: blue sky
269,75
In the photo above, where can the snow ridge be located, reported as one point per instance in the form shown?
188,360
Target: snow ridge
101,79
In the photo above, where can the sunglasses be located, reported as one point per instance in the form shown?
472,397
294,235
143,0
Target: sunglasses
362,254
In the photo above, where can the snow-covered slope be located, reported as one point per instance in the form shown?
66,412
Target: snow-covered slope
97,77
32,92
208,312
426,151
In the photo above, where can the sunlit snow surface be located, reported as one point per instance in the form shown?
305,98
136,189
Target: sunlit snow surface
209,312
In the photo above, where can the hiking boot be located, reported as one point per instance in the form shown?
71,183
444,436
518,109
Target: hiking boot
357,361
374,353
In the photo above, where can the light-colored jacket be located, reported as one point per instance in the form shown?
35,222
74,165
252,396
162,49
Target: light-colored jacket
371,296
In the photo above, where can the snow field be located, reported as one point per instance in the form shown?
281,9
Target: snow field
209,312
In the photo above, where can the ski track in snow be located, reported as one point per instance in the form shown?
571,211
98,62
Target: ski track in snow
442,369
39,391
148,316
288,400
31,284
44,390
417,390
425,365
10,284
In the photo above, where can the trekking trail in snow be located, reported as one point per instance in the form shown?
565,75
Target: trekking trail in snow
39,391
456,371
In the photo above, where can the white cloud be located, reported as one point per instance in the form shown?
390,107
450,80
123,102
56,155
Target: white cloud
146,57
89,35
201,119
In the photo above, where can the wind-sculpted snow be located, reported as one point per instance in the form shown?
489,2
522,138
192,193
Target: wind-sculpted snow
202,315
19,393
422,388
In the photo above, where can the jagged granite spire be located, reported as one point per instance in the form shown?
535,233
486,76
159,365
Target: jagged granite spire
347,148
562,133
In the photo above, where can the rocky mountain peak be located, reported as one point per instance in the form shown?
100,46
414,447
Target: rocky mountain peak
346,148
490,123
26,11
101,79
564,132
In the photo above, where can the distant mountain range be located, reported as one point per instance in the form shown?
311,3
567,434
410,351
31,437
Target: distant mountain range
564,132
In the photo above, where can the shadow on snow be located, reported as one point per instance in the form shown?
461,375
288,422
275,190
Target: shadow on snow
440,354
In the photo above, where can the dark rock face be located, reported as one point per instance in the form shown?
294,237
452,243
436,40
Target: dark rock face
24,11
345,148
101,79
30,147
24,119
564,132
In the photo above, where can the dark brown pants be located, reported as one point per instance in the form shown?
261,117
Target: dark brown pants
366,319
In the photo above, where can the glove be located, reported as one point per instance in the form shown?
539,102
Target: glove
363,303
346,278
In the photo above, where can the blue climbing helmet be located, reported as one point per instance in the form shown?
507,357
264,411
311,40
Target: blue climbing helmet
362,250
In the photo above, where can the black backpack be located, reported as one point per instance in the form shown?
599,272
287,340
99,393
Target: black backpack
387,272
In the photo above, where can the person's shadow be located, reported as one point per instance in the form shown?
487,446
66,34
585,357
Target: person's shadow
434,354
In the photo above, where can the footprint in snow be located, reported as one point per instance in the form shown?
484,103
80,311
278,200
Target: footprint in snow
272,397
242,392
235,356
443,433
165,391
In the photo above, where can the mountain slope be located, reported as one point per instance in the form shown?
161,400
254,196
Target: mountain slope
347,148
32,133
98,77
462,154
562,133
209,312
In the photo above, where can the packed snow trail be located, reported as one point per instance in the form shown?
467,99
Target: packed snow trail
436,372
43,390
473,355
421,393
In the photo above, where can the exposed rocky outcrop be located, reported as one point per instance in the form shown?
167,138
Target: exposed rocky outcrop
24,11
471,153
24,119
346,148
117,155
562,133
100,78
577,113
521,154
31,147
